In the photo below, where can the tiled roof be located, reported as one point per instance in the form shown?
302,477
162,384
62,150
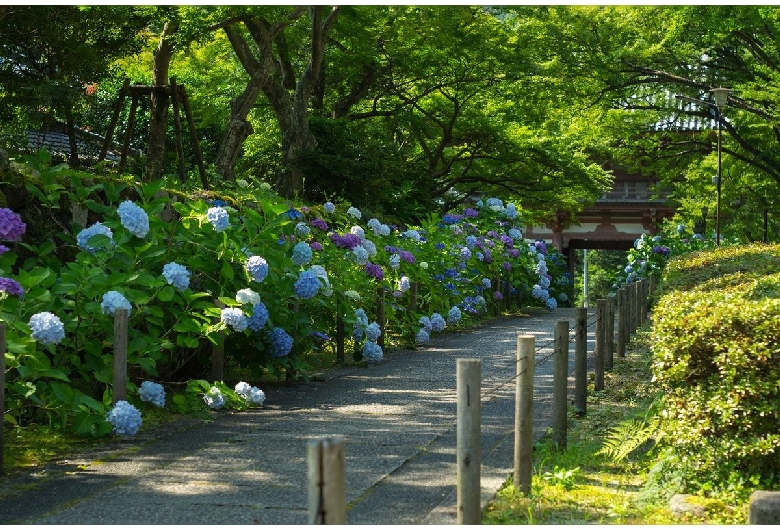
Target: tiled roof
89,145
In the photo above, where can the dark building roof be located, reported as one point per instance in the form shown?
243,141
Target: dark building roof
55,141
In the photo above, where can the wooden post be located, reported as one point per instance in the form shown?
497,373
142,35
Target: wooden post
621,322
339,338
560,383
524,414
114,119
637,306
2,394
177,128
645,290
120,356
609,335
469,441
380,315
413,297
327,481
128,134
601,309
194,137
581,361
218,353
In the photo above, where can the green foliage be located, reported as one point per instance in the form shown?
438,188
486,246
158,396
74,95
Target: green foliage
716,352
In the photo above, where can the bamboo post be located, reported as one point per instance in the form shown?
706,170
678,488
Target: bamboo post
560,383
621,322
327,481
120,356
469,441
524,414
2,395
609,335
581,361
601,309
380,315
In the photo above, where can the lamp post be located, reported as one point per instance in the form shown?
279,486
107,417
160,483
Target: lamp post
721,96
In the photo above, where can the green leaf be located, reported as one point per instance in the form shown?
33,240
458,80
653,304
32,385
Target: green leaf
227,270
166,294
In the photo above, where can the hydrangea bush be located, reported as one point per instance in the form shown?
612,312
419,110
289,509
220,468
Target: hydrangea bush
268,278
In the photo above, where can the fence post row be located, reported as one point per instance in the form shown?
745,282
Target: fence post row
601,318
524,413
609,334
469,441
327,490
581,361
120,356
560,383
621,322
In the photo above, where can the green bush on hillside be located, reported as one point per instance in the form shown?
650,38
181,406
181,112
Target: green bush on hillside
716,353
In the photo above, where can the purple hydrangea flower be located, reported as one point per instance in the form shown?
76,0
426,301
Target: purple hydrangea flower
320,223
407,256
11,225
375,271
11,286
470,212
316,246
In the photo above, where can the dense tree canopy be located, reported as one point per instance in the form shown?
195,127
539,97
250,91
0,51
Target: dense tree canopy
413,108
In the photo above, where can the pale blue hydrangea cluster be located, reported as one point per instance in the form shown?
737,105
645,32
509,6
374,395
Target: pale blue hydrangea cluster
495,204
486,283
218,217
514,233
404,284
133,218
282,342
259,317
247,296
372,352
373,331
370,247
354,212
425,322
251,394
84,236
360,255
454,315
511,211
153,393
47,328
125,418
302,229
307,285
214,398
320,272
361,323
395,261
437,322
380,229
302,253
257,268
551,303
329,207
422,336
176,275
358,231
235,318
112,301
414,235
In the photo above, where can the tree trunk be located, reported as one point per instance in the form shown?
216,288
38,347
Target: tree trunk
155,156
70,130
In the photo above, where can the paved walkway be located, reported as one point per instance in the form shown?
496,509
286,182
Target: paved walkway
397,419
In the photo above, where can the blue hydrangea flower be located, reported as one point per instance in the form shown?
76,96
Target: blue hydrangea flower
551,303
218,217
125,418
257,268
302,229
354,212
414,235
307,285
370,247
360,255
235,318
96,229
511,211
544,282
541,268
259,317
251,394
46,328
422,336
293,214
361,323
465,253
563,297
176,275
395,261
358,231
454,315
486,283
425,322
514,233
247,296
437,322
214,398
281,341
404,284
302,253
133,218
329,207
152,392
112,301
372,352
373,332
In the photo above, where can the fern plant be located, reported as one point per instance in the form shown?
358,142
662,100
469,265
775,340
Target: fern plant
621,440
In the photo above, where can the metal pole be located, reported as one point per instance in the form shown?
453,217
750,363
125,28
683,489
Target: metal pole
585,277
717,213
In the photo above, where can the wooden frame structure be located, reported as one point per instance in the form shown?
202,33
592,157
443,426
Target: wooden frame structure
178,96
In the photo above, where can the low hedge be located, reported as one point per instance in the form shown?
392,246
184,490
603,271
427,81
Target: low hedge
716,357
